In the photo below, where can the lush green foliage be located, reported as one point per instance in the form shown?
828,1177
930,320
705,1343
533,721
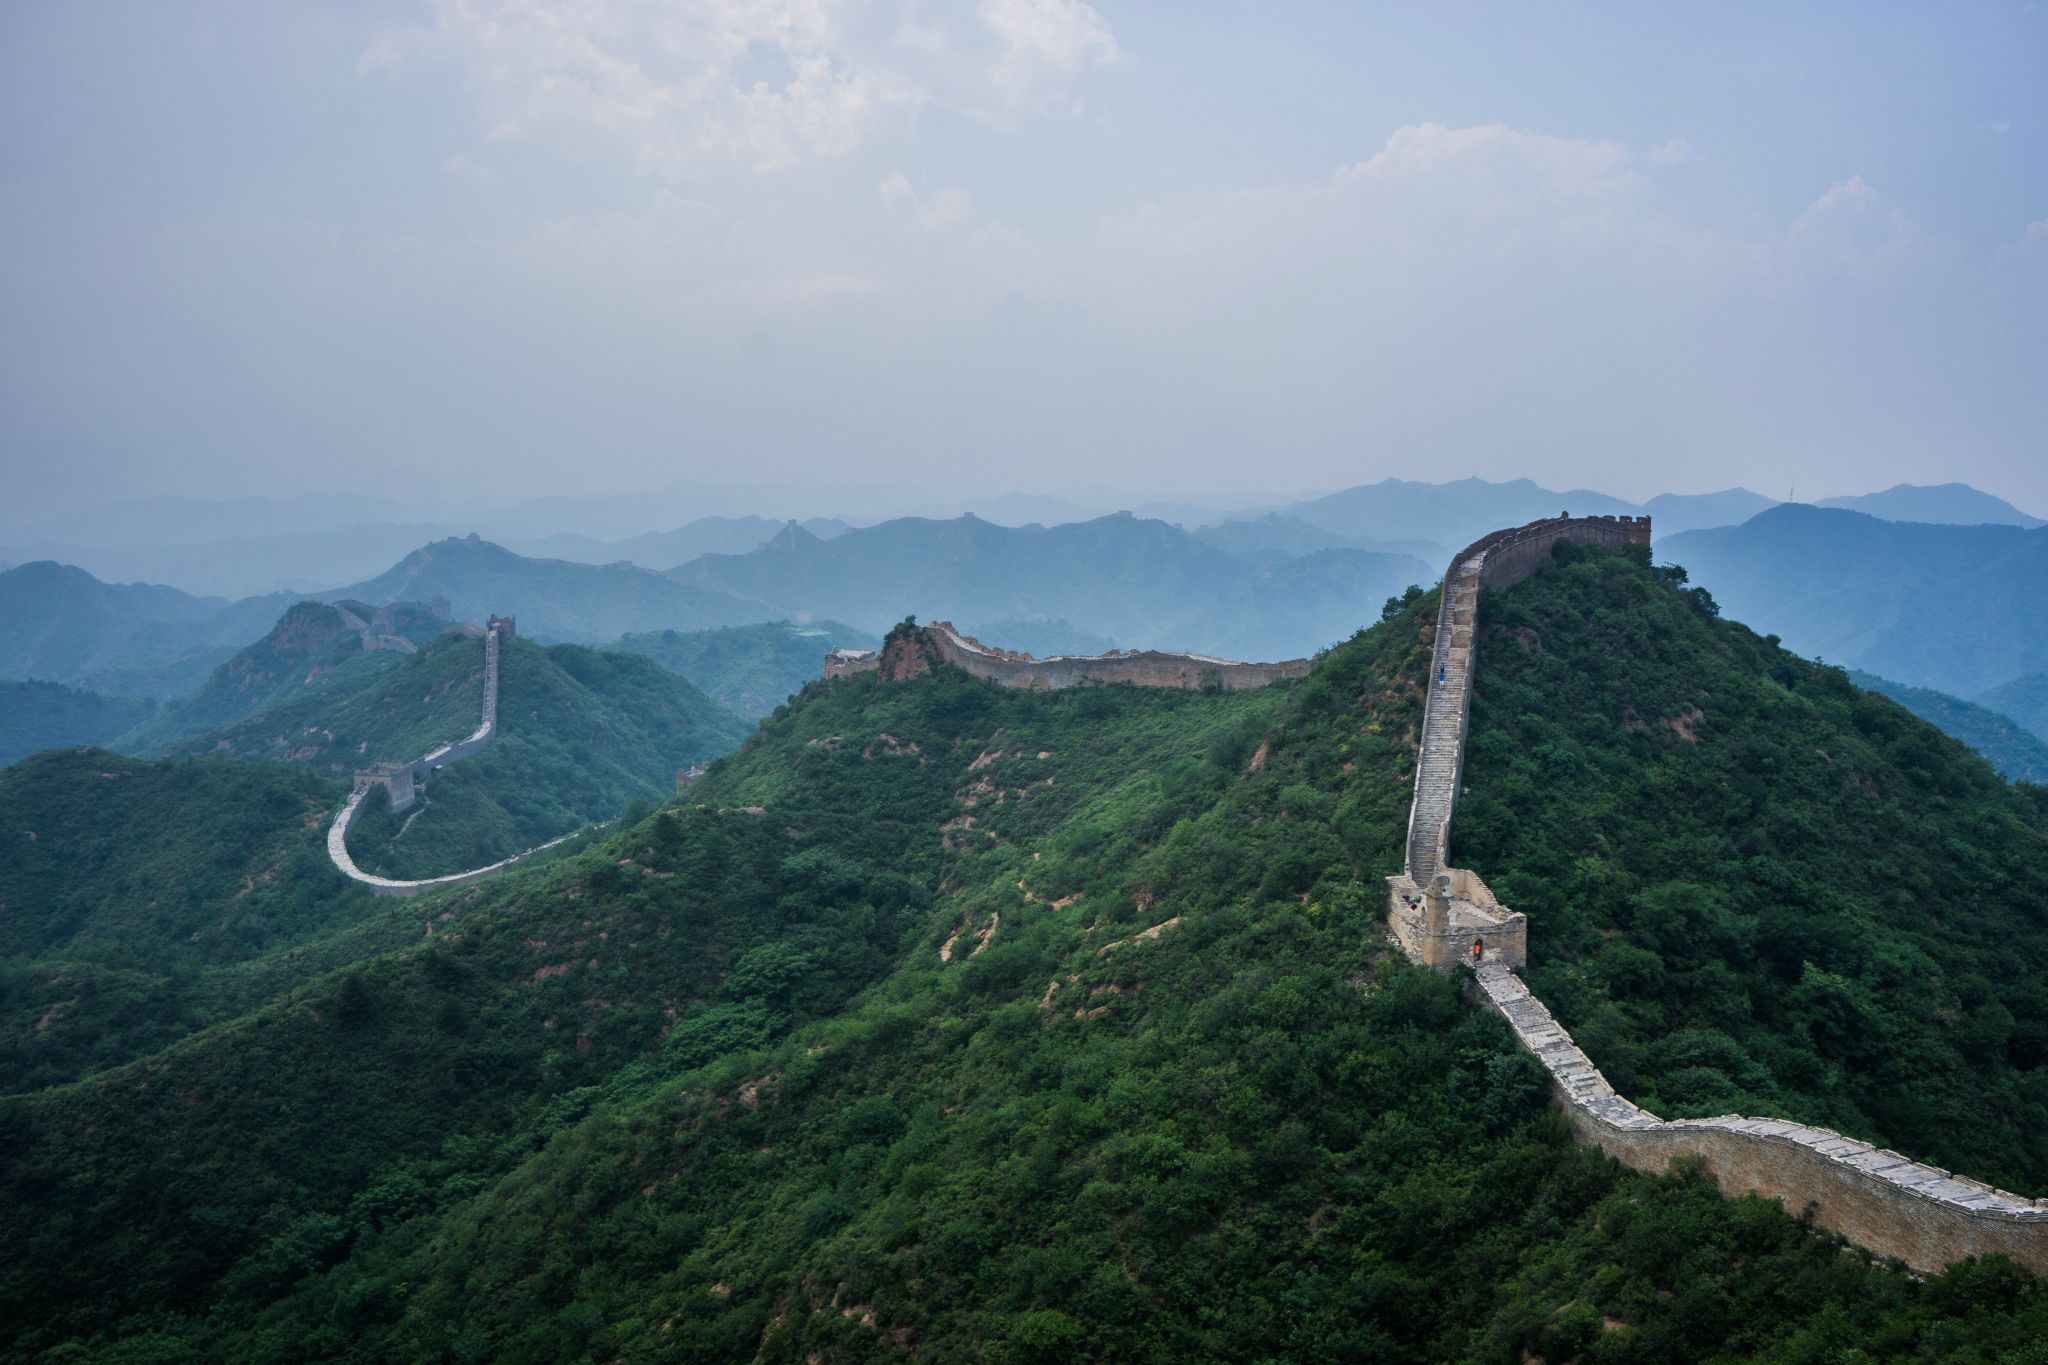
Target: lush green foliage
310,647
1752,886
45,715
993,1025
750,670
129,886
581,734
1959,608
2005,744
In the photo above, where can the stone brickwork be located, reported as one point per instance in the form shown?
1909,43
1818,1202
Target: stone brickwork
911,652
1878,1199
393,776
844,663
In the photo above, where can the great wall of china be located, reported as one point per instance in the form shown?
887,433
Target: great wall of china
1876,1198
400,782
910,654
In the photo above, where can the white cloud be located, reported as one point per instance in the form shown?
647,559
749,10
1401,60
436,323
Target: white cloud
1997,127
462,168
935,210
1671,153
1851,225
762,84
1045,43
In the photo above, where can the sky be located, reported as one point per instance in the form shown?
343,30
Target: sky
462,247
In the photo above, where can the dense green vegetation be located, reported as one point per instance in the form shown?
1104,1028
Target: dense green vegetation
750,670
580,734
1752,886
393,714
1947,607
984,1024
2005,744
128,886
45,715
312,646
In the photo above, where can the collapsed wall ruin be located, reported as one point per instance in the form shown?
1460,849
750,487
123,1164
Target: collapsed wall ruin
1876,1198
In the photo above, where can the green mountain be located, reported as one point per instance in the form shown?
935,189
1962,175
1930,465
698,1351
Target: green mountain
1752,886
44,715
313,645
60,624
1015,1026
749,670
1955,608
2025,699
2006,744
580,735
131,890
553,598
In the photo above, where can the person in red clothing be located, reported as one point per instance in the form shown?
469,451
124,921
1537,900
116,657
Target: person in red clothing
1478,949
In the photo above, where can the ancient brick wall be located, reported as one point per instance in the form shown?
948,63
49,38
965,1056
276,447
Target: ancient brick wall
1140,668
1878,1199
420,769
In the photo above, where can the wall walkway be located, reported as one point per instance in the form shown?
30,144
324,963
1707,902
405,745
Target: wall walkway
1876,1198
419,770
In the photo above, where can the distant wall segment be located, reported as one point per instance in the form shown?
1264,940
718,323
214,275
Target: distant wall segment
399,778
1894,1206
913,651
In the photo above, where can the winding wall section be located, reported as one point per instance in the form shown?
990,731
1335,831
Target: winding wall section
418,770
1878,1199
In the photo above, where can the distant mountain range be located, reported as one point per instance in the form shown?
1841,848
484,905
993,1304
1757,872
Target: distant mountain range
2025,699
1956,608
1138,582
1945,504
666,549
555,599
60,624
2008,746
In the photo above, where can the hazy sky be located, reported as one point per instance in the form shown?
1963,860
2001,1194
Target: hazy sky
592,246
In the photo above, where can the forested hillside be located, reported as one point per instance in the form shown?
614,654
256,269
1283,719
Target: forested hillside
750,670
60,624
45,715
2005,743
1752,886
581,733
126,882
976,1024
1955,608
312,646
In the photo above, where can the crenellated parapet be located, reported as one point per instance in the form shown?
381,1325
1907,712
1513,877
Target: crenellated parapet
912,651
1441,916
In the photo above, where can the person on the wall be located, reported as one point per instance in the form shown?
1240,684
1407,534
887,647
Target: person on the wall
1478,950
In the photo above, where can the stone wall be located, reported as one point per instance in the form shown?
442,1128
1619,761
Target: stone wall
908,654
393,776
1927,1217
1878,1199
